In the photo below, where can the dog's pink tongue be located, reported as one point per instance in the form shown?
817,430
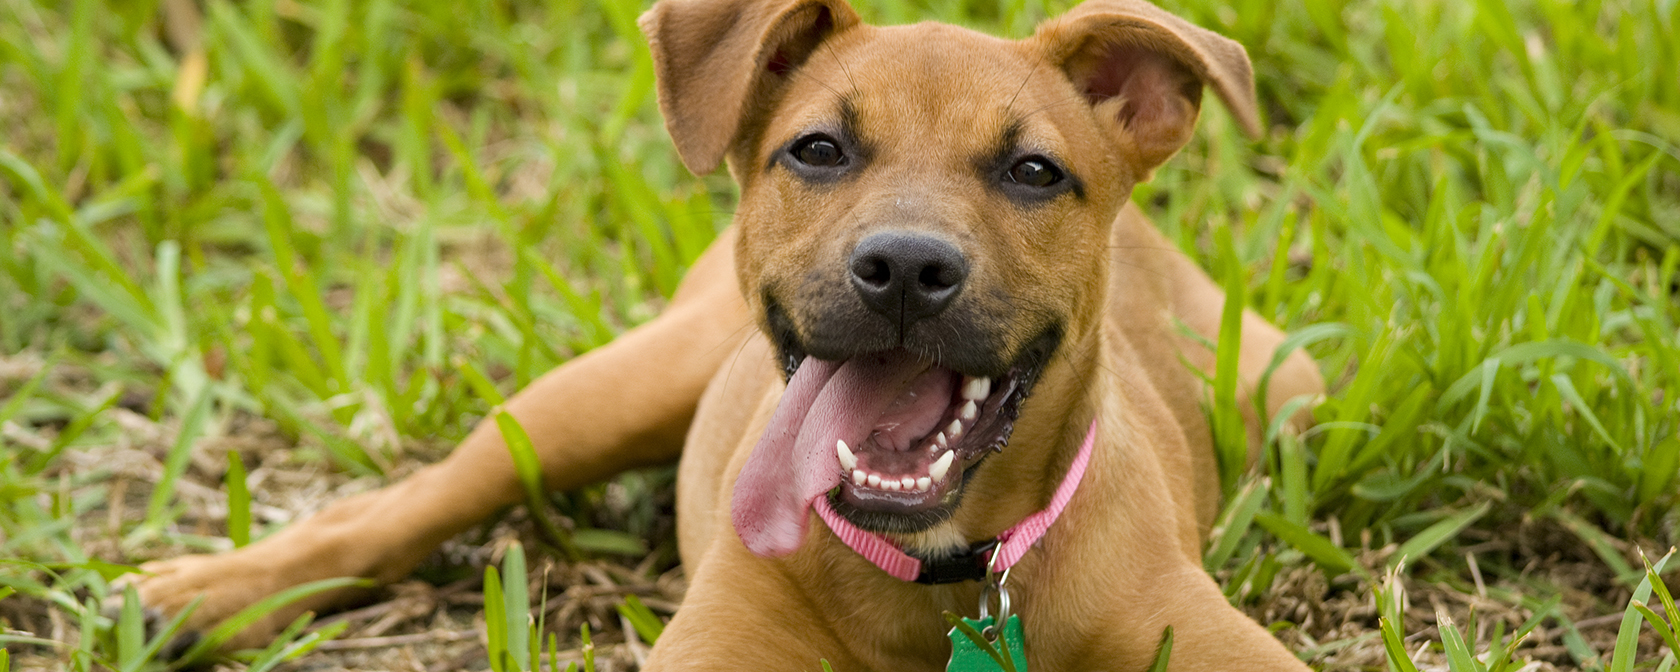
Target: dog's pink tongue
795,462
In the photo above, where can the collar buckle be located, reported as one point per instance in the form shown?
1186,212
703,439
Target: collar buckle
969,564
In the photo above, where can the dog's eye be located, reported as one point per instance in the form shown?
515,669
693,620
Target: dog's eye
819,151
1034,172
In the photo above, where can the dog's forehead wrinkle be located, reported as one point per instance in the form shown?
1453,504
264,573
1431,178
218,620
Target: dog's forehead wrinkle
928,63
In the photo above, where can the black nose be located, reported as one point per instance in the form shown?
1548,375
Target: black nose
907,276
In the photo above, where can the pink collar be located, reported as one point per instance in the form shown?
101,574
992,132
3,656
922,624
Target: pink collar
1008,549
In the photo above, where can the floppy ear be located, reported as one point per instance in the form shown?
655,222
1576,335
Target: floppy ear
719,62
1144,68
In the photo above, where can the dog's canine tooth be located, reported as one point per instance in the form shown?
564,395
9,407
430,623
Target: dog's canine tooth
975,389
968,412
923,483
941,466
858,477
874,481
848,460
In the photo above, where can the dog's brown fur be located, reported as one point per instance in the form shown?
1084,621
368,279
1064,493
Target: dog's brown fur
1112,90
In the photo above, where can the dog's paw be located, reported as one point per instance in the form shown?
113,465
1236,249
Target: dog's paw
222,585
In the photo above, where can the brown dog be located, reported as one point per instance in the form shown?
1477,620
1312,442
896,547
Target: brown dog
935,242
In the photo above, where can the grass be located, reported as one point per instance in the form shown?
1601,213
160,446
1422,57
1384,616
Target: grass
323,238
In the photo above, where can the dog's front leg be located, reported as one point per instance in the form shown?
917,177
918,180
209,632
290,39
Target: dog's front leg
743,613
624,405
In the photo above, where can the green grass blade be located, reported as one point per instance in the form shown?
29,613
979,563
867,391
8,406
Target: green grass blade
1567,389
609,541
647,624
1441,532
515,592
1659,625
192,426
529,469
1398,659
244,618
1297,340
293,650
1459,658
1234,523
1661,589
131,631
496,621
1163,651
1627,636
239,501
481,384
1292,460
1331,557
588,648
1229,433
163,635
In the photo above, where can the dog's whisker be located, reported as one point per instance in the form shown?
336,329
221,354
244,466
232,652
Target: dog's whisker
842,63
1054,104
805,74
1141,267
739,349
1011,104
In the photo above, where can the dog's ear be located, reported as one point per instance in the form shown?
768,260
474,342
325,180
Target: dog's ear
720,61
1143,69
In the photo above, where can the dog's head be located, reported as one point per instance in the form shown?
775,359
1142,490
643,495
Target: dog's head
924,222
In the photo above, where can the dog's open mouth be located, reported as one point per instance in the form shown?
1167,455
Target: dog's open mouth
888,436
907,474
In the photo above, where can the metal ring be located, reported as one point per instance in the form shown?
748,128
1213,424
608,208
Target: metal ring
1003,606
992,576
995,582
991,633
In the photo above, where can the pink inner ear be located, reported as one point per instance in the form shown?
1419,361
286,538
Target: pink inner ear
1154,87
780,64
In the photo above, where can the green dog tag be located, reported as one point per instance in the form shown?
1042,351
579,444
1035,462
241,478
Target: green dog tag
968,655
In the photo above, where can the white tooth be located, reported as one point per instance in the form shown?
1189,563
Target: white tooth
907,483
889,485
968,411
955,430
942,441
847,459
874,481
923,483
941,466
976,388
858,477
